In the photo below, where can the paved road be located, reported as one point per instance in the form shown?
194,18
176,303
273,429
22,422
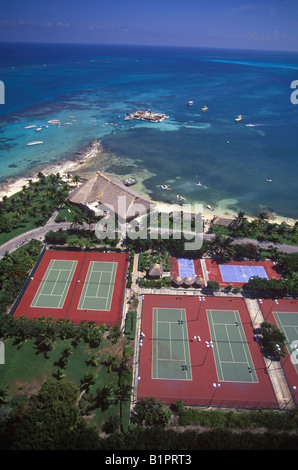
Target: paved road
39,234
281,247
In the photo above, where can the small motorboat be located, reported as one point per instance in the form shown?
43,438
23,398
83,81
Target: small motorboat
199,183
210,207
37,142
204,108
238,118
190,103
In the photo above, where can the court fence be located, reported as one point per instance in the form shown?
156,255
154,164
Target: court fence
221,403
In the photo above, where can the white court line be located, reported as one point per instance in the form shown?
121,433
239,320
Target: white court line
92,269
45,279
182,317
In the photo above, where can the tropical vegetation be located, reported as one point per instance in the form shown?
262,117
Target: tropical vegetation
32,206
260,228
70,385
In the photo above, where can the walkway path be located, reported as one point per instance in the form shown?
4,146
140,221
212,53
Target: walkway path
135,380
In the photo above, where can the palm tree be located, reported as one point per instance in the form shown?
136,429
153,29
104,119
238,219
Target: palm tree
4,393
263,217
76,179
45,342
125,360
76,221
41,177
123,393
104,396
112,362
67,352
294,229
87,381
60,374
223,247
90,219
240,223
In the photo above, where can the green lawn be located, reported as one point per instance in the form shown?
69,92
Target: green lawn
26,369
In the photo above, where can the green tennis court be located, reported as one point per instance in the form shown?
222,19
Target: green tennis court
232,356
170,349
98,287
288,323
54,285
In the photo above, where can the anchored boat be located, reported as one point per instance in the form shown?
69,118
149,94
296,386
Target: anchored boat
37,142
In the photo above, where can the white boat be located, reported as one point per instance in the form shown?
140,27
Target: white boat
30,127
37,142
190,103
38,129
269,180
199,183
210,208
239,118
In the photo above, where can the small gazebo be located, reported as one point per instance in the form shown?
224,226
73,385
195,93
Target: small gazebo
155,270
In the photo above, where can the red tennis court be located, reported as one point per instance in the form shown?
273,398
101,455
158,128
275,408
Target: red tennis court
284,314
76,286
197,387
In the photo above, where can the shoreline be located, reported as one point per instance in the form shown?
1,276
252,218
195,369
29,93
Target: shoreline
9,188
210,215
94,149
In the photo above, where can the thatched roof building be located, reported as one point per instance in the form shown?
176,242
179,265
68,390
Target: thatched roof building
102,190
155,270
225,221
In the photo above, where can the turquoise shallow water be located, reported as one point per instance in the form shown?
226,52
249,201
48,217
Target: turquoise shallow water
92,88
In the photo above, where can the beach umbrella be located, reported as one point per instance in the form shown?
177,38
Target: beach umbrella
188,281
178,280
199,281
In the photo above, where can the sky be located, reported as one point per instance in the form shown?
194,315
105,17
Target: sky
259,24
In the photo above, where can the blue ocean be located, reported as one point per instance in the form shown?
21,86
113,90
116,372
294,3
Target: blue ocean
201,154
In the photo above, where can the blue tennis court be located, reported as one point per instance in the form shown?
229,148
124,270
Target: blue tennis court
186,268
240,273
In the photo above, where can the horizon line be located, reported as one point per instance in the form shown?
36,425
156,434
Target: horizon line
170,46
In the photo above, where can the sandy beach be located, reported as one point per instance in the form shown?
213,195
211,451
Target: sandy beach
63,168
92,157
